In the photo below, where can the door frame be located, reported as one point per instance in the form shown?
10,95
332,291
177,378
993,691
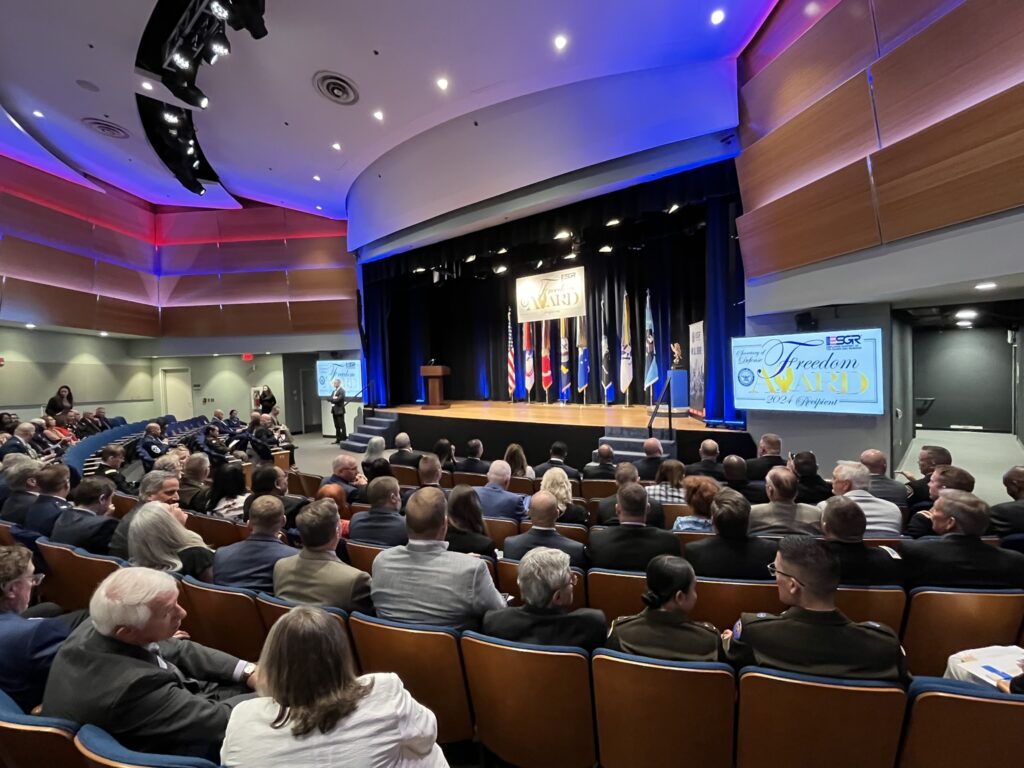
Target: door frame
163,391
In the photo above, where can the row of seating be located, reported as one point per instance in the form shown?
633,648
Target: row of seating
591,489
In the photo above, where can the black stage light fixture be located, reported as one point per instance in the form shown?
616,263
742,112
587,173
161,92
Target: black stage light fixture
248,15
186,91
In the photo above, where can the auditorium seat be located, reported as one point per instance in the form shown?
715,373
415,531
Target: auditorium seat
337,494
1014,541
672,511
309,484
406,475
616,593
941,622
282,460
952,722
101,750
523,485
688,537
6,537
358,507
802,721
446,479
721,601
882,604
440,685
507,581
72,574
247,471
469,478
27,741
295,484
885,541
680,713
598,489
532,703
361,554
123,504
225,618
215,531
500,528
992,541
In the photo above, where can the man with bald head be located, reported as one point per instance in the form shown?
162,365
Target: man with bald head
708,464
543,513
604,467
647,467
735,469
495,498
345,472
422,582
404,455
1008,517
151,446
769,456
881,485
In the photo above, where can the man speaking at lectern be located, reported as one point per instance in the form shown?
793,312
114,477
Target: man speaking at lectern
338,411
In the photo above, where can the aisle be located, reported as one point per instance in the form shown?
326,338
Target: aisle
985,455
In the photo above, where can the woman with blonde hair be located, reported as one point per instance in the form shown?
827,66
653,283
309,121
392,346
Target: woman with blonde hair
556,482
314,711
516,458
157,540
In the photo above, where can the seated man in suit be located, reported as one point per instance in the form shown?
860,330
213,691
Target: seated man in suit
732,553
708,464
88,524
495,498
193,488
626,474
345,472
88,425
474,459
126,671
271,480
546,616
843,523
883,486
782,515
811,488
1008,517
631,544
315,575
604,468
930,457
21,441
955,478
383,524
155,486
111,460
852,479
54,483
21,478
543,513
249,564
151,446
430,473
557,456
960,558
101,419
813,637
404,455
9,463
735,469
422,582
769,455
653,456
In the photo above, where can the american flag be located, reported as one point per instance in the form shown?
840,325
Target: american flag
511,359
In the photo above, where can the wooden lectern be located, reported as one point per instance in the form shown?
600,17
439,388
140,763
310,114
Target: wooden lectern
434,377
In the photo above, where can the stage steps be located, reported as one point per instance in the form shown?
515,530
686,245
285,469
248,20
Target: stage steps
383,424
628,442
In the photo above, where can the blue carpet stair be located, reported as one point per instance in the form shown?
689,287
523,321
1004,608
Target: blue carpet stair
628,442
382,424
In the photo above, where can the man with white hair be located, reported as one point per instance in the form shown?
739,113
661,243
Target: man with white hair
708,465
852,479
345,472
404,455
128,671
21,441
495,498
155,486
546,584
20,475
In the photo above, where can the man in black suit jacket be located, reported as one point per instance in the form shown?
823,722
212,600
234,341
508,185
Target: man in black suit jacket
731,554
811,488
735,469
843,523
930,457
101,419
625,474
474,459
270,480
960,558
769,455
20,441
630,545
543,513
604,469
653,456
383,524
146,688
404,455
558,454
338,411
708,464
1008,517
87,524
54,481
21,477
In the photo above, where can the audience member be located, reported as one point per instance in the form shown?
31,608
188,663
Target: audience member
7,464
101,418
516,458
604,467
53,437
112,458
546,585
668,483
20,441
159,541
556,482
404,454
735,469
216,449
430,472
630,545
930,457
227,492
169,462
557,455
647,467
54,484
542,533
383,524
732,553
663,629
249,564
843,524
316,575
445,453
271,480
148,689
495,498
193,492
474,461
62,402
155,486
234,421
466,530
315,711
266,400
374,451
345,472
626,474
87,425
1008,517
7,423
811,488
883,486
943,476
708,465
700,492
264,441
813,637
422,582
21,478
782,514
851,479
769,456
151,446
88,524
64,427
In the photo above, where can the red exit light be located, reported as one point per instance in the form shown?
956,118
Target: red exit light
247,357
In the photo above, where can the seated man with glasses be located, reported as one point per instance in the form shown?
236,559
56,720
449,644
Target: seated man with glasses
813,637
545,618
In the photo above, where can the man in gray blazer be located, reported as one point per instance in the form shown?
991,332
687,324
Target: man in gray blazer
883,486
125,671
782,516
543,513
495,498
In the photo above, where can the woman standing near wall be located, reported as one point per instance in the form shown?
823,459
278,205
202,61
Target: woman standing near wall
267,400
62,402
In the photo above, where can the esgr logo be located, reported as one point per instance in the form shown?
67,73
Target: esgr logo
843,341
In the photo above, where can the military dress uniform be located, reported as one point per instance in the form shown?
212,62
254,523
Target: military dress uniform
151,448
114,475
668,635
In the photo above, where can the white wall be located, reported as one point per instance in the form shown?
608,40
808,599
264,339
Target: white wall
224,382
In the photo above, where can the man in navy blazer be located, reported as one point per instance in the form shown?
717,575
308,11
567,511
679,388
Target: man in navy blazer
495,497
54,481
383,524
474,459
543,513
88,525
20,441
249,564
559,452
21,477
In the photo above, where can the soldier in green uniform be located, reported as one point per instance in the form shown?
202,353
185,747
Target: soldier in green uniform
812,636
664,629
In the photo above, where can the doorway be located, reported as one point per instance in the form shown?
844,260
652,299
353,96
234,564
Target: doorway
312,418
177,385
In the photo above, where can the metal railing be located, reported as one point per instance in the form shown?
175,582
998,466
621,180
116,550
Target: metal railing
666,391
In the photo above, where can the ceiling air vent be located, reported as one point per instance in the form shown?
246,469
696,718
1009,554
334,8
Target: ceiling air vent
335,87
106,128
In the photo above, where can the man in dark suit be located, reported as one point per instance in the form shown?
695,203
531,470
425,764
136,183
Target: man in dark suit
155,486
543,513
383,524
249,564
404,455
883,486
338,411
625,474
604,469
1008,517
732,554
769,455
631,544
558,454
111,460
956,478
54,481
87,525
474,459
151,447
811,488
430,475
653,456
270,480
495,498
345,472
20,441
843,523
735,469
960,558
146,688
21,477
87,425
100,417
708,464
930,457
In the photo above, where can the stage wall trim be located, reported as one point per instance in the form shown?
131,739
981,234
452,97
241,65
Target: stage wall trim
551,296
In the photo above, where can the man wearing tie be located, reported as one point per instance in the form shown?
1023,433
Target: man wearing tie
338,411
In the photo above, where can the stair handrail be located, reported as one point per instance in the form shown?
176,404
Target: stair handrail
657,407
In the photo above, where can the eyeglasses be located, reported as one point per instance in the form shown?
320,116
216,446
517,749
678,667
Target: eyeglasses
35,580
776,572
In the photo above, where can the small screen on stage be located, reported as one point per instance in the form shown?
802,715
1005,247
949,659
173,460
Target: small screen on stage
825,372
349,371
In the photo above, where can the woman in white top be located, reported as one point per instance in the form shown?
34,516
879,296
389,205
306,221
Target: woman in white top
315,712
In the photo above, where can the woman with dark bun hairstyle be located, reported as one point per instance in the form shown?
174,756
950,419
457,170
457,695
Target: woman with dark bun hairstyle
664,630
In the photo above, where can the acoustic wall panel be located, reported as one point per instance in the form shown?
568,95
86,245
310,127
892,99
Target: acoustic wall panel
270,317
898,20
254,287
309,284
26,302
191,321
318,316
189,290
125,283
43,264
119,316
789,20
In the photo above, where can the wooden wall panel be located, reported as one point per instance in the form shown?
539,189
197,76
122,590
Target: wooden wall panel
42,264
839,46
253,287
967,56
261,223
31,221
308,284
124,283
26,302
191,321
189,290
968,166
122,248
897,20
318,316
269,317
829,217
827,136
789,20
119,316
319,252
200,257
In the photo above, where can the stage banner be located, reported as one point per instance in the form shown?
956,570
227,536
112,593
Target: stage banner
697,369
551,296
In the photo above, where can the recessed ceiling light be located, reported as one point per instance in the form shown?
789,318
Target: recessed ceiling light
501,251
987,286
470,259
605,249
560,42
673,208
563,234
966,314
147,86
539,264
419,270
442,83
812,9
216,354
30,326
379,114
500,269
336,147
170,117
104,333
964,323
36,113
316,178
153,357
266,353
319,207
717,17
569,256
612,223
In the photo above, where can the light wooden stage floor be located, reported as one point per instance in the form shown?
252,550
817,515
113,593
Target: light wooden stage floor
539,413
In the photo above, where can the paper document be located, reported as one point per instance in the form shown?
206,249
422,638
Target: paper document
986,665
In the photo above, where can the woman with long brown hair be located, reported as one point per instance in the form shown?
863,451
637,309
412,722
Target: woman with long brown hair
466,531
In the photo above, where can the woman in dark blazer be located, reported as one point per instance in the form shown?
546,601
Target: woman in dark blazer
62,402
267,400
466,532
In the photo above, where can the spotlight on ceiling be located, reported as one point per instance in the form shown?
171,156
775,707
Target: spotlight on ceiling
964,323
147,86
966,314
419,270
673,208
30,326
186,91
219,45
104,334
181,61
717,16
379,114
36,113
316,178
563,234
470,259
605,249
190,151
319,207
336,146
171,118
248,15
219,10
442,83
612,223
501,251
539,264
560,42
500,269
986,286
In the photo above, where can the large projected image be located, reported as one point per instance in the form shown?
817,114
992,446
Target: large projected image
826,372
349,371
